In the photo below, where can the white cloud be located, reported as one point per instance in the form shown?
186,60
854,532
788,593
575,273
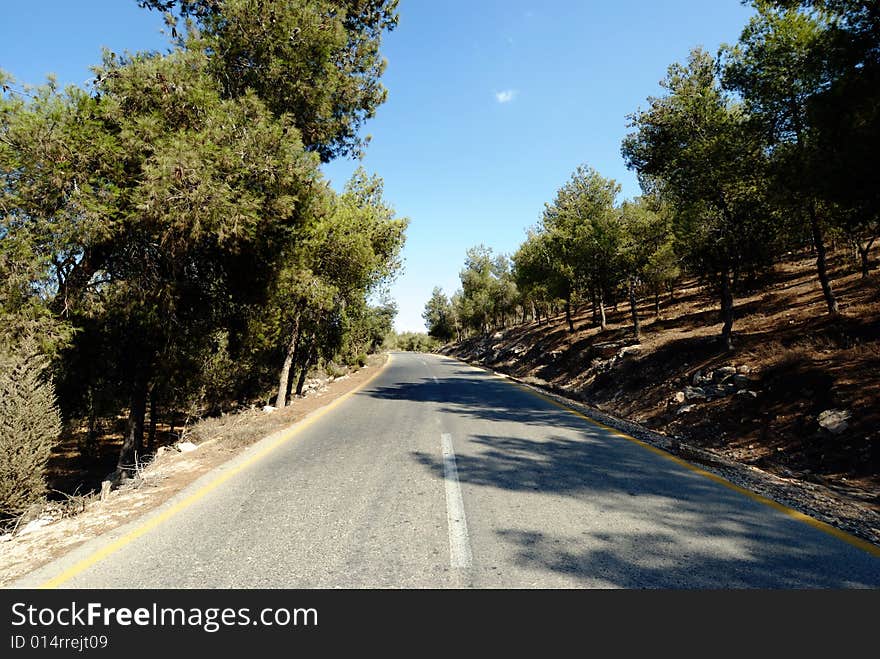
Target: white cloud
505,96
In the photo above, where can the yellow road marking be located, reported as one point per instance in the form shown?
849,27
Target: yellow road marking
155,521
864,545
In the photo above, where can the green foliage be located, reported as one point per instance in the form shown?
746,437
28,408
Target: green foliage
439,316
539,275
411,342
488,291
169,234
333,371
698,150
647,247
29,425
809,73
585,231
316,60
318,305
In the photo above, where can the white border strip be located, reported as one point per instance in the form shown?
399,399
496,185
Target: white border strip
459,542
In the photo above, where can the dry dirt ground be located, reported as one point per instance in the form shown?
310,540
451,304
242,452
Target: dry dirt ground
794,358
58,528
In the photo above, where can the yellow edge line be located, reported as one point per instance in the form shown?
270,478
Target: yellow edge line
153,522
864,545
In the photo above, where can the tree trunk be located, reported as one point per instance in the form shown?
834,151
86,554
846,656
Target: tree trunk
568,317
302,379
133,442
656,303
634,309
821,262
310,355
863,254
726,310
151,434
603,324
284,377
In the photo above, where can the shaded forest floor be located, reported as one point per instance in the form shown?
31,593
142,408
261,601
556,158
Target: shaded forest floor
72,471
793,362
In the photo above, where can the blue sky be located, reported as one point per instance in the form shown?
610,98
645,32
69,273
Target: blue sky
492,104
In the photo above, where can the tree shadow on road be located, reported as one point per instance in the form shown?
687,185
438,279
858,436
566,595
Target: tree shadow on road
644,521
671,559
485,398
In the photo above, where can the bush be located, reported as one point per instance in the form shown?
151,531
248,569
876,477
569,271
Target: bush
411,341
356,361
333,371
29,427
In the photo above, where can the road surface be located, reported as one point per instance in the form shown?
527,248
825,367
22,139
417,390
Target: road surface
438,474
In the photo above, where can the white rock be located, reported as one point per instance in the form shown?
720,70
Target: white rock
269,408
835,421
679,397
694,393
185,447
629,350
684,409
106,487
35,525
747,392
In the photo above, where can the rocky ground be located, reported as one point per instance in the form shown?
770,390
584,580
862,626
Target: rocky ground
795,406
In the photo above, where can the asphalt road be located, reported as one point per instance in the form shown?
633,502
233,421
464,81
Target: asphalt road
437,474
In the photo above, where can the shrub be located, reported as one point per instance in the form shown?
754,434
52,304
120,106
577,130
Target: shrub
333,371
29,427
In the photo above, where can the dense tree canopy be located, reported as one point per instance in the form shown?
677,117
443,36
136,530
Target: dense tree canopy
439,316
317,60
167,238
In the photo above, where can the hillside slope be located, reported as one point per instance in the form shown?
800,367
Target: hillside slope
760,405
